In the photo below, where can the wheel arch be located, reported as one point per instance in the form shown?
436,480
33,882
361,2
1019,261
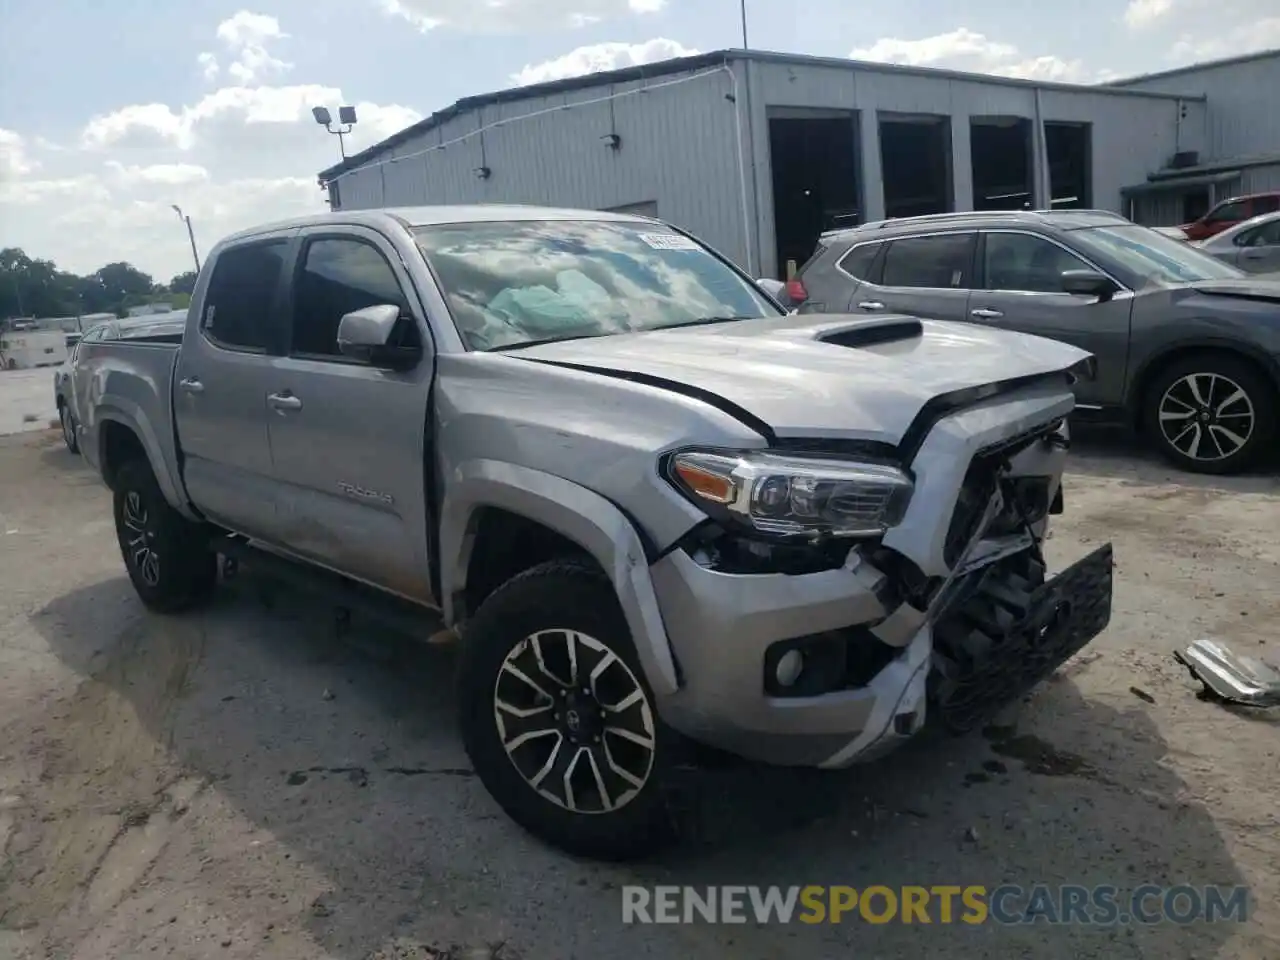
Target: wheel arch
121,436
555,512
1145,375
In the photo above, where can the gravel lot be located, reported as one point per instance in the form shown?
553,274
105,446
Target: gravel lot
245,783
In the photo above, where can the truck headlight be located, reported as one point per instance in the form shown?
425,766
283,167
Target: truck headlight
783,495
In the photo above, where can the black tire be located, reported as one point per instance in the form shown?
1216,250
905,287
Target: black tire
563,595
68,423
185,571
1219,376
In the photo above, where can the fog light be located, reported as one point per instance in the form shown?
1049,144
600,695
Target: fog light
790,664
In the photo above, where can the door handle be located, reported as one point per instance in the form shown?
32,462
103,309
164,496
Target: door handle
191,385
1254,254
870,305
284,401
982,313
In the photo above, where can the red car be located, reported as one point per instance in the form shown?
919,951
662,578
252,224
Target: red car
1230,212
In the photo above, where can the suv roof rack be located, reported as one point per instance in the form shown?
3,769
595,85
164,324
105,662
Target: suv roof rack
963,215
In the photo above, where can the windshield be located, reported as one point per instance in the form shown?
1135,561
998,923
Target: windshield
1152,257
513,283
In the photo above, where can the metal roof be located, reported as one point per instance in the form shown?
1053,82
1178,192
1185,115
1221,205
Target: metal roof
717,58
1195,68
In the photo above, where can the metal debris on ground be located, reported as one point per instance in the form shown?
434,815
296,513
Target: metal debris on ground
1231,677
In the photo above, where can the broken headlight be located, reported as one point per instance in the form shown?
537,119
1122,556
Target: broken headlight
783,496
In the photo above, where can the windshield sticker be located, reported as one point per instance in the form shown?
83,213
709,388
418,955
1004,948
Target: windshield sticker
668,241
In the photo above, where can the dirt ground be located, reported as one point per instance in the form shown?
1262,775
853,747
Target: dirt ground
243,782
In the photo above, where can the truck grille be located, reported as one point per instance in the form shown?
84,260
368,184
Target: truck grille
979,485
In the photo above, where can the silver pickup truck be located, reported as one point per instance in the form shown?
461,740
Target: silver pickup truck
656,510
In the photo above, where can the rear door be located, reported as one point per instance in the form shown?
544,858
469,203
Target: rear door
349,441
220,386
924,276
1258,250
1019,287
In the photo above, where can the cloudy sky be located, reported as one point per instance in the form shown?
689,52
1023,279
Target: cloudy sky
111,112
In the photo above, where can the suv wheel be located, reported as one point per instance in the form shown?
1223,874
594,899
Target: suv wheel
557,717
68,428
1212,414
167,555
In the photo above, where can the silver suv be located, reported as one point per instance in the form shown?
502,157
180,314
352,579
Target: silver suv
1188,347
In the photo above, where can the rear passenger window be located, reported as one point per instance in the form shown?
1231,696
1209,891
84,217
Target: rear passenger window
242,290
857,262
339,276
939,262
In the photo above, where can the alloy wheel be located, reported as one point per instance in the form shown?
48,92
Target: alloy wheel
141,542
575,721
1206,416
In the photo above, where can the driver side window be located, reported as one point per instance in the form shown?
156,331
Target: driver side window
1267,235
1231,212
1028,264
338,276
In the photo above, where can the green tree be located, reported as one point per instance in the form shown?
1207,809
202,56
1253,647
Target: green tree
183,283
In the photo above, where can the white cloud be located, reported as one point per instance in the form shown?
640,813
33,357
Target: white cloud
14,159
601,57
513,15
1142,13
238,155
1262,34
965,49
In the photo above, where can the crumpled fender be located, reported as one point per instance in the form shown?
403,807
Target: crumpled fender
575,512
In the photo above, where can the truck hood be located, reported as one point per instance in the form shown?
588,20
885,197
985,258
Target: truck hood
830,376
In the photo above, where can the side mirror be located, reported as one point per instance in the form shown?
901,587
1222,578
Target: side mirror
776,289
1088,283
367,335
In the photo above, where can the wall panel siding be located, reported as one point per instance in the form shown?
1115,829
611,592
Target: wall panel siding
677,149
1244,109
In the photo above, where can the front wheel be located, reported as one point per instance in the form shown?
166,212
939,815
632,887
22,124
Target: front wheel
167,555
68,428
557,718
1211,414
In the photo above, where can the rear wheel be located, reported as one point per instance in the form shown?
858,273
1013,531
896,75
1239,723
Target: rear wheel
167,555
68,428
557,717
1214,413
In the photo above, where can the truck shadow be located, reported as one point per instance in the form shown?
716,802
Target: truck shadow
346,758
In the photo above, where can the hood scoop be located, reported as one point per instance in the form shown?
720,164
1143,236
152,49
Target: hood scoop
872,332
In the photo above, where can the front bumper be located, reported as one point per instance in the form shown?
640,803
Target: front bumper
721,627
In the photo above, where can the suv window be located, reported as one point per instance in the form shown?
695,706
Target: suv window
941,261
1022,262
1269,204
1264,236
237,308
1230,212
338,276
858,261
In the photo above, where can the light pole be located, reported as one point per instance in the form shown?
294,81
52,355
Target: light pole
743,8
346,119
190,234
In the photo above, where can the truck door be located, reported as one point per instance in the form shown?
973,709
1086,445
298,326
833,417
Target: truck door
220,387
348,440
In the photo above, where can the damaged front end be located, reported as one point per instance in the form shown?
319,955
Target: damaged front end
951,615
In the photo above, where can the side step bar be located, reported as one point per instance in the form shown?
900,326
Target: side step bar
346,596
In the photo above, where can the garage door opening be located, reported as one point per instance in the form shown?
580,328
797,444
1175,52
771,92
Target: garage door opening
1069,150
814,163
915,159
1000,151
